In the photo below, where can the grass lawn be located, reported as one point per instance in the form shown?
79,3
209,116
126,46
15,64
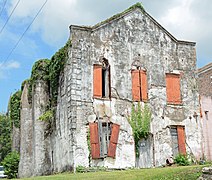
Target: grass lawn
167,173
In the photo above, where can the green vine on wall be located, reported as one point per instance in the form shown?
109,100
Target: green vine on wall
14,107
40,71
56,67
140,122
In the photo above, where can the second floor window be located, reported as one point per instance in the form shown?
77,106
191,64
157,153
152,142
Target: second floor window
101,80
139,85
173,89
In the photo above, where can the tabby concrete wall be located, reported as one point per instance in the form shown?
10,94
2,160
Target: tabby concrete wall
26,137
41,140
137,40
129,41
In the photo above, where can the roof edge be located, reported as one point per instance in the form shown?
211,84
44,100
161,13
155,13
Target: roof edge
138,5
127,11
204,68
85,28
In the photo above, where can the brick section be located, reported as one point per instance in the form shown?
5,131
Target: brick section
181,139
94,140
205,80
97,81
173,89
113,140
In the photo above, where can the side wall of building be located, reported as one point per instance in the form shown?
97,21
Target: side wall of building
205,90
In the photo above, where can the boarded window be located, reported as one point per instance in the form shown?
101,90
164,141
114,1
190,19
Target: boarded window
181,139
139,85
178,140
113,140
173,89
94,141
101,81
97,81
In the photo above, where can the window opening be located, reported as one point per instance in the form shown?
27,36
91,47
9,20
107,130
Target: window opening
139,85
178,140
101,81
104,131
174,138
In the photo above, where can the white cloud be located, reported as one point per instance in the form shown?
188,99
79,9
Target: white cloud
186,20
53,21
7,66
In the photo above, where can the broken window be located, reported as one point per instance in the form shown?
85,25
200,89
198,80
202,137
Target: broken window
101,80
173,89
178,140
103,139
139,85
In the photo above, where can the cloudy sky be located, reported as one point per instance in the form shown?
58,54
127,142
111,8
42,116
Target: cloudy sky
21,44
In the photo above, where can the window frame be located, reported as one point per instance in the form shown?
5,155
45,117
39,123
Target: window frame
101,83
139,85
173,82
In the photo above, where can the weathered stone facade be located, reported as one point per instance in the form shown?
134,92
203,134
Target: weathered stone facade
129,41
205,91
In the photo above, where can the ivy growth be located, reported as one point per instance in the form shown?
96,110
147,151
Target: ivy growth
56,67
40,71
140,122
14,106
47,116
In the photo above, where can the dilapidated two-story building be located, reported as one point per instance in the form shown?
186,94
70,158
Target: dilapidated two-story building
128,58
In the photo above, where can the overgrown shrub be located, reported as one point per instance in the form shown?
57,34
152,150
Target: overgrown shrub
182,160
5,136
140,122
10,164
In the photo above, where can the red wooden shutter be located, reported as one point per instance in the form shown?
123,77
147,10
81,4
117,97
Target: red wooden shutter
173,88
113,140
143,77
135,85
97,81
181,139
94,140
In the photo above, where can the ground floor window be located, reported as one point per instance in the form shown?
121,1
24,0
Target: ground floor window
178,140
103,139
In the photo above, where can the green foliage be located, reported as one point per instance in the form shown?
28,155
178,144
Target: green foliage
56,67
182,160
14,107
5,136
47,116
40,71
10,164
140,122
